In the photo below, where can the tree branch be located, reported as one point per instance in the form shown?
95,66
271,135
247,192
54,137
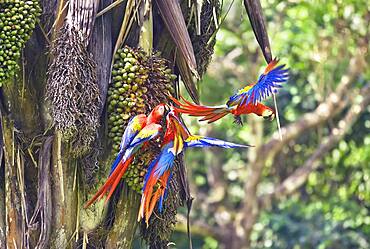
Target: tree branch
122,233
299,177
43,208
198,227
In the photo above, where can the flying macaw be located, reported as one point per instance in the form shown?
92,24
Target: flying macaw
138,132
245,101
176,139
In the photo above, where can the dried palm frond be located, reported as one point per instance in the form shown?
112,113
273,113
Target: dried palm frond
174,20
109,7
81,15
257,21
43,207
127,21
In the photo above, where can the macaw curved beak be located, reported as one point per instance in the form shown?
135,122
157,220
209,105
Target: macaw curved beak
268,115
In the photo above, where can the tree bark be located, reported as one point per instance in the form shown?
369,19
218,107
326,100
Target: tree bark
122,233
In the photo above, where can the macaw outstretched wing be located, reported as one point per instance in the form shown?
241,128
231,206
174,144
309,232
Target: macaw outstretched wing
268,82
272,78
200,142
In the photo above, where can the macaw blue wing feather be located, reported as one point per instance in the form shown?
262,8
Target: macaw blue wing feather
166,160
201,142
268,83
149,170
164,196
133,127
116,162
148,133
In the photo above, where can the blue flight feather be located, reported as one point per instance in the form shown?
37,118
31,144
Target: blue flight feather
164,197
149,170
212,142
116,162
266,85
165,161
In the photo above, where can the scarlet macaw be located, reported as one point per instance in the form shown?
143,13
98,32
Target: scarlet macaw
245,101
138,132
175,140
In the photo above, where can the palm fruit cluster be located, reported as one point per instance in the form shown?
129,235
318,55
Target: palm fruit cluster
135,172
139,82
17,20
125,95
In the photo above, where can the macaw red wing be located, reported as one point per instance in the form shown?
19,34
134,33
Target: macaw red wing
147,133
111,183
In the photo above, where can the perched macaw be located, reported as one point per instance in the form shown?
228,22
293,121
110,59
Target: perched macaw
245,101
159,173
138,132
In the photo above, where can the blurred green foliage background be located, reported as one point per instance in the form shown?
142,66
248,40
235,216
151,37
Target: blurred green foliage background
316,39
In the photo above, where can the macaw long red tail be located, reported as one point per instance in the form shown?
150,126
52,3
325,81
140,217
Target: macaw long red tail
209,113
111,183
150,199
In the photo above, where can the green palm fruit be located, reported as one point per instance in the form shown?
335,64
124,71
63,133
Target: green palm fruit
17,21
136,79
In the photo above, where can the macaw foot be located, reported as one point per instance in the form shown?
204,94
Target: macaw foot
238,120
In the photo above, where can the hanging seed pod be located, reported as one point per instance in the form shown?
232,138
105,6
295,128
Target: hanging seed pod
204,43
18,18
73,91
160,81
139,83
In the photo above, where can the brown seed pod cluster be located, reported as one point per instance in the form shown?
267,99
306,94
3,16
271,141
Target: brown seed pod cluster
139,83
73,91
204,43
17,21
